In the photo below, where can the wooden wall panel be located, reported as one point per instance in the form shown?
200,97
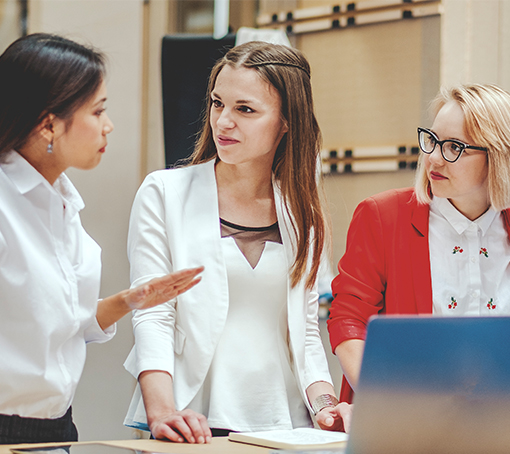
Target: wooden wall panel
368,81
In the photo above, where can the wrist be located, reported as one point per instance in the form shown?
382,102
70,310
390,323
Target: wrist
323,401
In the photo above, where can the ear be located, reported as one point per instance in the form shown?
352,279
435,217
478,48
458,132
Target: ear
285,127
45,127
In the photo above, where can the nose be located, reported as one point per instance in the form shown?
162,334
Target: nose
225,120
436,157
108,125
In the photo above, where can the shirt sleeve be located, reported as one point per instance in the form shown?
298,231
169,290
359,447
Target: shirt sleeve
150,256
358,289
316,363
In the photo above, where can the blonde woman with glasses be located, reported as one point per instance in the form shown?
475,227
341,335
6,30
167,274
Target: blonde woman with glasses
439,248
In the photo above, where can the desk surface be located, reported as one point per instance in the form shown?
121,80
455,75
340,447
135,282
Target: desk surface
219,445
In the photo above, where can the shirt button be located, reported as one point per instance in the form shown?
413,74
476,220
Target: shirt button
474,293
473,259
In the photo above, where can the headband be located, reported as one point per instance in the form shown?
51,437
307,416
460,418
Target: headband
280,63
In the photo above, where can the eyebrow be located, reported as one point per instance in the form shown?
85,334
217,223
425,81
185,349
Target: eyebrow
99,102
239,101
451,138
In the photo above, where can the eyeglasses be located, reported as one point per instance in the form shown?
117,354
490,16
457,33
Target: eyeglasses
451,150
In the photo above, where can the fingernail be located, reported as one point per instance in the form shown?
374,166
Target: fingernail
200,439
192,439
208,439
180,440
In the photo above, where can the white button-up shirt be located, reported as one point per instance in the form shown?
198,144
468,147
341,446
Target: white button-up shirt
470,262
49,286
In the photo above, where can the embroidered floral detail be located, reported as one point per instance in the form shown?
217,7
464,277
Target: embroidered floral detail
484,251
457,249
453,303
491,305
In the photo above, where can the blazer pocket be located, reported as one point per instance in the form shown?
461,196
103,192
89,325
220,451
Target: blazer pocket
179,340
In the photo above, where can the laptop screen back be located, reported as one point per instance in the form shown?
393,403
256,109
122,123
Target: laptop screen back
434,385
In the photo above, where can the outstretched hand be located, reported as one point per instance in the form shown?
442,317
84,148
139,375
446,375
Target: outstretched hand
180,426
335,418
162,289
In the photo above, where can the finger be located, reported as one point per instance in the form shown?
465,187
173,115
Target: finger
205,428
345,411
324,418
178,276
184,429
196,428
163,431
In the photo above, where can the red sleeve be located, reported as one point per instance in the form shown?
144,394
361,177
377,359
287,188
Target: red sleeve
358,290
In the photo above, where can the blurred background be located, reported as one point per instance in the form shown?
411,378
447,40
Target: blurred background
376,64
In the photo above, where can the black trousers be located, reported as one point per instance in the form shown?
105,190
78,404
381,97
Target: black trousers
15,429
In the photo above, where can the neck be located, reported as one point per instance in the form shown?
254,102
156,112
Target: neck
472,208
35,152
247,180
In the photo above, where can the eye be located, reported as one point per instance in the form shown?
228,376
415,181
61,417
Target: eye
245,109
455,147
98,112
217,103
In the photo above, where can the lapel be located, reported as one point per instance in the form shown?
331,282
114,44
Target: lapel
420,259
200,244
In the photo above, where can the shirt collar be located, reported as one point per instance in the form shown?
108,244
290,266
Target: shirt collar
26,178
443,207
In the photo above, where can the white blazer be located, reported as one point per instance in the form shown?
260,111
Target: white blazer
174,225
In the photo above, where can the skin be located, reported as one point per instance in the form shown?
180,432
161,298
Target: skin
247,126
463,182
80,143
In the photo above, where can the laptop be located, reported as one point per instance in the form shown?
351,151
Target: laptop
433,385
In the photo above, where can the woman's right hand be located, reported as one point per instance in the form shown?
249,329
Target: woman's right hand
165,422
180,426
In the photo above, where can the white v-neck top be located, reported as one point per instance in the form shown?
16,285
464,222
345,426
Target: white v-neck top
250,385
469,261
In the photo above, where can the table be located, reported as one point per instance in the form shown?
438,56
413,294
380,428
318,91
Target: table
218,445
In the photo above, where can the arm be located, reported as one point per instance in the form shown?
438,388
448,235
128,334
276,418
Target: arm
163,419
350,354
336,417
359,288
155,292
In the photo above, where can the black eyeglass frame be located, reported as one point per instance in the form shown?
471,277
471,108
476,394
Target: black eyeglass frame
462,145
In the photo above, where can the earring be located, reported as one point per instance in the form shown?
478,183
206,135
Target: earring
50,147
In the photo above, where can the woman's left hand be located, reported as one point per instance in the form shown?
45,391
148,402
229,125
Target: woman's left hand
162,289
335,418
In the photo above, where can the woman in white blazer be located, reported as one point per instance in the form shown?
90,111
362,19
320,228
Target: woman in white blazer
241,351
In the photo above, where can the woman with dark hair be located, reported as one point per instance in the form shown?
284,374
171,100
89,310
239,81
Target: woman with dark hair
52,117
242,352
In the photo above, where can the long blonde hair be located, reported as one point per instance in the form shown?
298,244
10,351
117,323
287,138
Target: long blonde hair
295,161
487,122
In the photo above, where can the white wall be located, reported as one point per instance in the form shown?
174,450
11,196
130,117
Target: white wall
115,26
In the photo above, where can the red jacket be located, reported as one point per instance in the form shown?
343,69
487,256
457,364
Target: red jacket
385,268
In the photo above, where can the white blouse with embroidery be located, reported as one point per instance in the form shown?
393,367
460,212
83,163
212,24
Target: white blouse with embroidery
469,261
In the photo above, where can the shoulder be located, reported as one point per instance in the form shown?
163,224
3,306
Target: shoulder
179,178
391,207
394,198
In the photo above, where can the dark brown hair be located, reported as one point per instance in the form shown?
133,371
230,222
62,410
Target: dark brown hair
295,161
42,74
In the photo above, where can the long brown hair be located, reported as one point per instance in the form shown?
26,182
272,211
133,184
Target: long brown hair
295,161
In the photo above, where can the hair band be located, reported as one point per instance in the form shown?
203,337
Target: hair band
279,63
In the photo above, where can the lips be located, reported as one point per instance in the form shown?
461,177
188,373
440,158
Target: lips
437,176
102,150
225,140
